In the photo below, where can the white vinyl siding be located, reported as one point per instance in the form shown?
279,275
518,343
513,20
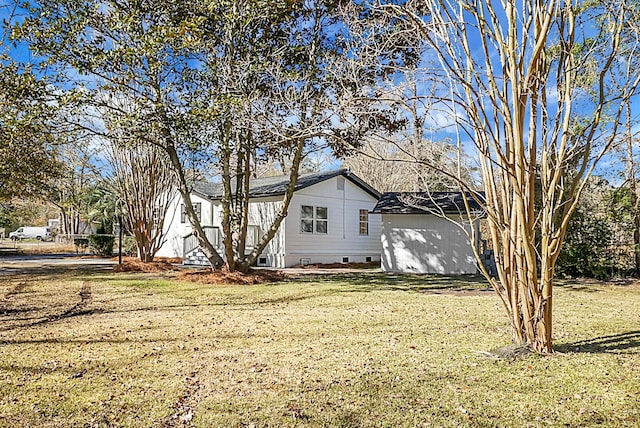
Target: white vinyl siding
343,237
263,212
338,222
175,230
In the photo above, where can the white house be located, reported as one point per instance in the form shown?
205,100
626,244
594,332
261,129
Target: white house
328,221
425,233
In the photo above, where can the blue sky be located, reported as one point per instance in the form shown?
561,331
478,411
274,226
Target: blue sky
439,122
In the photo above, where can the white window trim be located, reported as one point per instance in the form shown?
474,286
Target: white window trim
363,222
315,220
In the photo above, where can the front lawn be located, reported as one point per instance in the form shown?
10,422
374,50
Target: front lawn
366,350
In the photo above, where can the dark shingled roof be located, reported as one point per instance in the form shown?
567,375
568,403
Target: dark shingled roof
277,186
426,203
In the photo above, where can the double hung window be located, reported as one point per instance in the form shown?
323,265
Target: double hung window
364,222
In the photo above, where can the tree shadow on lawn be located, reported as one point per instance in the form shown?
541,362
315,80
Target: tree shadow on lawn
30,314
53,272
424,283
626,343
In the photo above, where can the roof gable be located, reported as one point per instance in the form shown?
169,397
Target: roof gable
277,186
427,202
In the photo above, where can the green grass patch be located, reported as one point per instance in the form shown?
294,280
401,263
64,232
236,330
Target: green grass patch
361,350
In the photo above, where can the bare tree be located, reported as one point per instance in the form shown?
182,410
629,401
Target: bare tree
77,178
392,92
142,178
145,185
400,165
632,182
530,85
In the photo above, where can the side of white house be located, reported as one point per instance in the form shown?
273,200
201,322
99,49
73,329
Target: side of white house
177,225
262,212
329,222
425,243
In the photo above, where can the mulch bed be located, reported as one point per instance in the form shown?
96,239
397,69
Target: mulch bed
159,264
199,276
206,276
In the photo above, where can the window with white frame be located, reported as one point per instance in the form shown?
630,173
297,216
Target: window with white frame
197,207
313,219
364,222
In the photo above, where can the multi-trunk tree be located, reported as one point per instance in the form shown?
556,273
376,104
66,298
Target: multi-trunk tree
226,83
141,182
143,186
539,88
270,97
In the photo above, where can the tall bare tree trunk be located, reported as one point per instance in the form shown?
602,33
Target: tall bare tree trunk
515,71
145,184
633,190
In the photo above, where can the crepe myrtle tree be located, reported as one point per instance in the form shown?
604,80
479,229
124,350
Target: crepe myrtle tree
539,90
142,179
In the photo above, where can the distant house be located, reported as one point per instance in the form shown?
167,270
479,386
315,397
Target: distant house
419,234
328,221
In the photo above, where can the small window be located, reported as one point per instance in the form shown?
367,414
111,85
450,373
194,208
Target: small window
305,261
197,207
364,222
345,260
262,261
367,259
156,216
313,219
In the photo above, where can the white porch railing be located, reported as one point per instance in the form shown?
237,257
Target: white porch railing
214,236
190,242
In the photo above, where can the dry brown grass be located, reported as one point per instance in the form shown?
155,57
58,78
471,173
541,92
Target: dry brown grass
359,350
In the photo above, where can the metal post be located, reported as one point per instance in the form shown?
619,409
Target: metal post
120,240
